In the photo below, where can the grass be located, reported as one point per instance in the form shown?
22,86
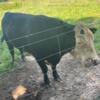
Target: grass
68,10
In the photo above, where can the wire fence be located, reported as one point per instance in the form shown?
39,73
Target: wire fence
36,33
36,42
53,54
42,40
55,36
33,43
46,30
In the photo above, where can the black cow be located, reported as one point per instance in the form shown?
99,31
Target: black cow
46,38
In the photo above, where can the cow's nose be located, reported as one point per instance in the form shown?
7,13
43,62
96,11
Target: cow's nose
96,62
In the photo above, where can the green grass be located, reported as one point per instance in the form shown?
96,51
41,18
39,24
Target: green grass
70,10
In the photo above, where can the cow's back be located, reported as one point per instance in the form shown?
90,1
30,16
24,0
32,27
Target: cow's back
28,24
37,34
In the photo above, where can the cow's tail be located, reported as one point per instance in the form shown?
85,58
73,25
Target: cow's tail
2,39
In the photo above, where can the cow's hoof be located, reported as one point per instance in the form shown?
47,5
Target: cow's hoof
95,62
56,76
57,79
45,85
46,81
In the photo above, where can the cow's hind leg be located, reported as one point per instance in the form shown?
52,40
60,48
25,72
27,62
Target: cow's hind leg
22,54
11,49
44,70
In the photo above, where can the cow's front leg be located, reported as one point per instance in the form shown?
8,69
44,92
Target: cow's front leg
44,70
55,73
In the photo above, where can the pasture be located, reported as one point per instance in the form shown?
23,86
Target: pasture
71,11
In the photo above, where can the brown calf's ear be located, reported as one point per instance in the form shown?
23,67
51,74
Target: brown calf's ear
93,29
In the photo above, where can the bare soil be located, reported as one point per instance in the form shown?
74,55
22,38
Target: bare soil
77,82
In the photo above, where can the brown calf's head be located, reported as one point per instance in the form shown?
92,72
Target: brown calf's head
83,35
84,47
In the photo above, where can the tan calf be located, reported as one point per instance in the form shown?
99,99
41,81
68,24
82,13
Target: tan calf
84,48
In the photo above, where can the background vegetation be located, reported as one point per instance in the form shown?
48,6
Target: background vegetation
67,10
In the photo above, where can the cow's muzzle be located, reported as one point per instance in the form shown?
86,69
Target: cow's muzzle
95,61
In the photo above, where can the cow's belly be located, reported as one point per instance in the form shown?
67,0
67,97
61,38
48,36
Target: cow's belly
43,49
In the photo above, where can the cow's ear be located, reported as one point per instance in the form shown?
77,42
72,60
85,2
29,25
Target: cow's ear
93,29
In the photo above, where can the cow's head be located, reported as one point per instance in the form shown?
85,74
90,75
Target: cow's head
85,43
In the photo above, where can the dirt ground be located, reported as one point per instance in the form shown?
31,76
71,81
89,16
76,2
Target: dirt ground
77,82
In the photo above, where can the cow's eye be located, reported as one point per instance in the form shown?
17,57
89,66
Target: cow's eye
82,32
